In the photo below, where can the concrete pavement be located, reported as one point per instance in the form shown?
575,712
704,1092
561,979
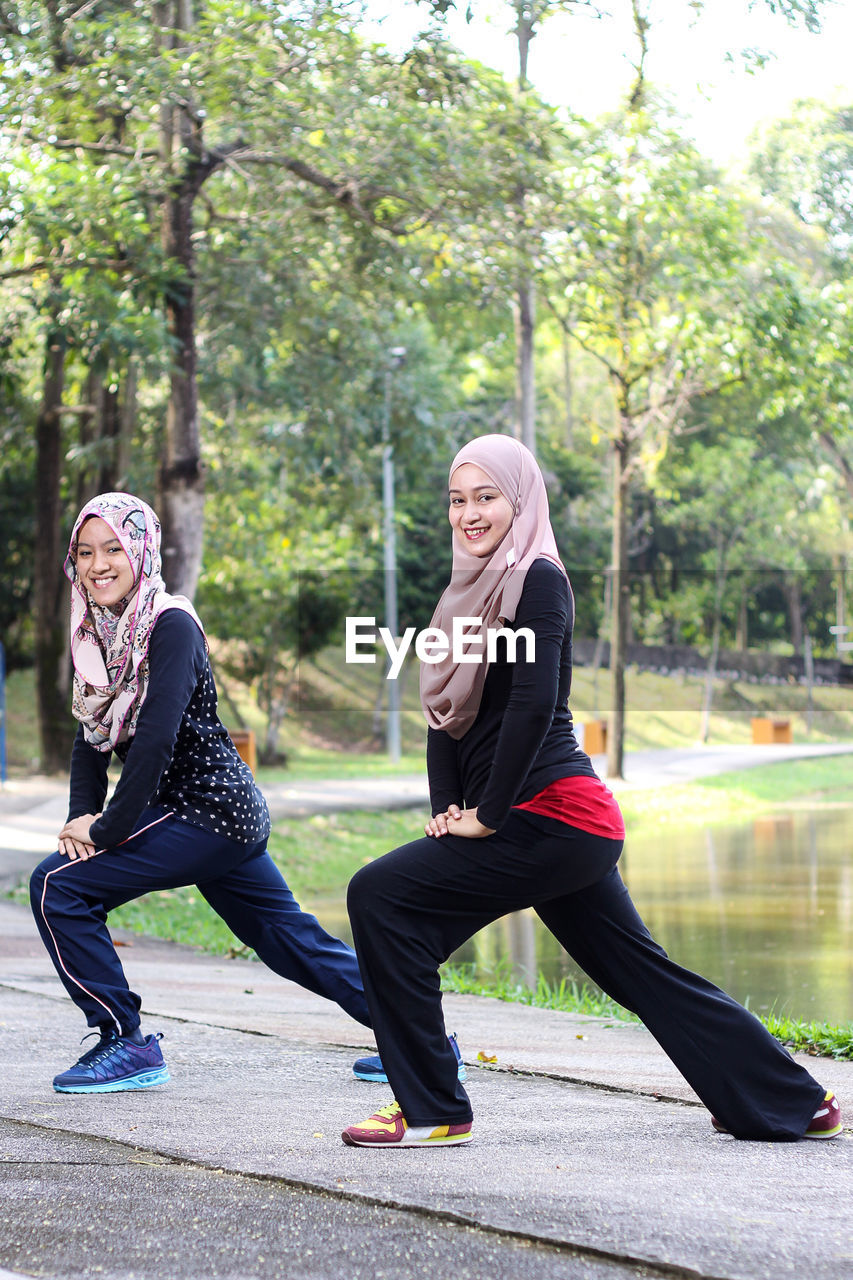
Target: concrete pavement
592,1159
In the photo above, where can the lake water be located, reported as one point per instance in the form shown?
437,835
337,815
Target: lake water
763,908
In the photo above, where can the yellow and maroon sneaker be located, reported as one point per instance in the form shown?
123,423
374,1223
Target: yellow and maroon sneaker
388,1128
825,1123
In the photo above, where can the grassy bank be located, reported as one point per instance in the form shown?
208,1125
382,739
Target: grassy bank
822,1039
329,727
319,855
325,738
727,797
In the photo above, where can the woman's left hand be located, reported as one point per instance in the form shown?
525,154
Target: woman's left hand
463,822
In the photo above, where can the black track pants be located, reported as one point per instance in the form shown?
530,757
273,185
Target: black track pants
413,908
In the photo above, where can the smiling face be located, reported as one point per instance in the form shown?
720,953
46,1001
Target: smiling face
102,564
480,515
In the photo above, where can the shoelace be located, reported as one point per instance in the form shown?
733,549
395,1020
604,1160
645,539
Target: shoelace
390,1112
98,1050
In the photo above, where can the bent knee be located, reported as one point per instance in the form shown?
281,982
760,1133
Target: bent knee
37,879
361,889
60,887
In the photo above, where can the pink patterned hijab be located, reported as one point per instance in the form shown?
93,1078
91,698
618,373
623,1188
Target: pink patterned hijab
109,646
487,588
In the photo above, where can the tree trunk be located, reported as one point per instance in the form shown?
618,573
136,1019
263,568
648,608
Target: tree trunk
87,426
525,324
841,601
619,609
55,725
109,427
181,498
598,652
795,609
524,32
181,481
126,423
711,670
742,639
525,315
840,459
276,713
568,393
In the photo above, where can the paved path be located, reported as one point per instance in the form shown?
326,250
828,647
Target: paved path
592,1159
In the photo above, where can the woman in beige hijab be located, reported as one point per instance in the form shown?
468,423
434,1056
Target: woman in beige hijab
520,819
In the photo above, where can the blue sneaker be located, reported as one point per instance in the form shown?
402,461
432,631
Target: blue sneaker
372,1069
115,1063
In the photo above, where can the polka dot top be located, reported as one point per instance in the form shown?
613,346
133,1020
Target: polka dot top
181,756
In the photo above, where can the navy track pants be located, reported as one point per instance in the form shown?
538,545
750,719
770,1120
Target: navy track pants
414,907
70,902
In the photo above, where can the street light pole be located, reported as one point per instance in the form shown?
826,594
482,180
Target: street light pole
397,357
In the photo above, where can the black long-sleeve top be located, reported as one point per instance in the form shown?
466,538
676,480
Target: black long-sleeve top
180,756
523,737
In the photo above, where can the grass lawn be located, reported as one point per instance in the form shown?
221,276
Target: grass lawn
726,797
328,731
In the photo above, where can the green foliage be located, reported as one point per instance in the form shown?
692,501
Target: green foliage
501,983
806,163
18,531
651,276
349,201
822,1039
278,575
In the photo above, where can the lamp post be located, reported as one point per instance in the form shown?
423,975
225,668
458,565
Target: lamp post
396,359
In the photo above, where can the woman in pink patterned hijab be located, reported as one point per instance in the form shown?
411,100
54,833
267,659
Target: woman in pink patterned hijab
110,632
184,810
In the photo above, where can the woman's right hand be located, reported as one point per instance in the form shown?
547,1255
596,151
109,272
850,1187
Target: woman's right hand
73,840
437,826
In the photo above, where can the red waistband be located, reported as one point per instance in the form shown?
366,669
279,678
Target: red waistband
582,802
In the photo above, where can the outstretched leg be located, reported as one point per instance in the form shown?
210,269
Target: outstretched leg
744,1076
254,901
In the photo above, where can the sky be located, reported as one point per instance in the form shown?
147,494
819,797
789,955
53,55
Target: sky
584,63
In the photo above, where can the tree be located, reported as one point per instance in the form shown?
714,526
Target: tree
735,496
658,280
326,121
76,243
327,124
271,606
805,164
529,15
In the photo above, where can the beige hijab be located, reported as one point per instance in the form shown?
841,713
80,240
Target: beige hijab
487,588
